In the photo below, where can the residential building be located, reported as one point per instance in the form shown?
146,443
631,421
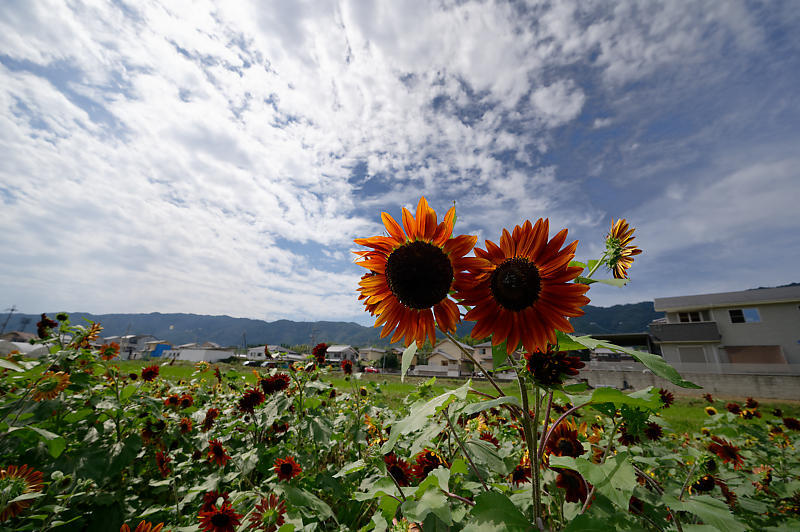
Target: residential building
370,354
736,331
131,346
337,353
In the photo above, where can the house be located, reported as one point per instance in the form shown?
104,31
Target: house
198,354
337,353
731,330
370,354
447,358
483,354
18,336
131,346
155,348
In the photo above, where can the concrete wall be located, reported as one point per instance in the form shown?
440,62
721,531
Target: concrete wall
779,325
758,386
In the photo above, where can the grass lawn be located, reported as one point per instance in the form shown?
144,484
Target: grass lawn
686,415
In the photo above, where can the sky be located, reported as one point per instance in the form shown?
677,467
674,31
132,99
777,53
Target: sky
220,157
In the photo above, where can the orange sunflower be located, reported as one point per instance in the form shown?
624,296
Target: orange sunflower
16,481
522,291
620,252
50,385
414,269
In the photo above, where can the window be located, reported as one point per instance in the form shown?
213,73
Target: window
686,317
744,315
692,354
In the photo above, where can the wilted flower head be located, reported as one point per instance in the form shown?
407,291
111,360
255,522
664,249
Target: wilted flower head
619,251
398,469
667,397
14,482
551,368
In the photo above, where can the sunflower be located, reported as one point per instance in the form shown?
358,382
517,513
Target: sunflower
172,401
751,403
711,411
162,461
572,483
564,441
185,425
426,461
726,451
268,514
522,291
208,421
50,385
489,437
398,469
319,352
347,367
250,400
287,468
414,269
653,431
44,325
521,474
16,481
667,397
109,351
791,423
708,398
217,453
274,384
550,368
222,519
734,408
150,373
187,400
702,485
143,526
211,498
620,254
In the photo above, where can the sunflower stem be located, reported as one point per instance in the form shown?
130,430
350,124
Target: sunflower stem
463,447
544,428
599,263
530,442
688,478
474,361
602,461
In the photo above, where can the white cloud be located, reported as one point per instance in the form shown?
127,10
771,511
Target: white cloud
558,103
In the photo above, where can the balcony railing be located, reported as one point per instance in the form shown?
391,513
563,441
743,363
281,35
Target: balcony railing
703,331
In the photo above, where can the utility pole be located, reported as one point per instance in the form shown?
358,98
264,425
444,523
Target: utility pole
11,311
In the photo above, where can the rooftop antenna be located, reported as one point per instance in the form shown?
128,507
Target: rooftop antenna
11,311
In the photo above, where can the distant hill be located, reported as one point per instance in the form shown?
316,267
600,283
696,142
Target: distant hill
225,330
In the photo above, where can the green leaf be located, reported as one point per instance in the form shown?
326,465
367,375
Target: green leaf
352,467
300,497
566,343
577,264
27,496
7,364
589,523
615,478
408,355
127,392
459,466
499,355
484,453
474,408
418,416
494,511
654,363
712,511
55,443
74,417
432,501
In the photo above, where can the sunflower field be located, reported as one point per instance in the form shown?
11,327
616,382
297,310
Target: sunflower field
85,445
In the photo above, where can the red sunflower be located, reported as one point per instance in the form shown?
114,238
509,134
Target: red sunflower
347,367
398,468
522,291
210,499
268,514
150,373
162,461
250,400
208,421
320,351
185,425
274,384
143,526
572,483
222,519
187,400
726,451
618,249
414,269
16,481
287,468
217,453
172,400
426,461
50,385
564,441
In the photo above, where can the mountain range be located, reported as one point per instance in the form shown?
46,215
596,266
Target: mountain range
225,330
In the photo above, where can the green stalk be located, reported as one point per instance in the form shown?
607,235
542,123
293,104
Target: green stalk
530,442
599,262
474,361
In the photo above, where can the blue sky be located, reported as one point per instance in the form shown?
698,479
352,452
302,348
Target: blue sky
219,157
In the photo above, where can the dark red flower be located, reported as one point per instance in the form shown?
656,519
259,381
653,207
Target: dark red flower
210,499
274,384
223,519
287,468
748,413
521,473
426,461
564,441
398,468
44,325
143,526
268,514
347,367
572,483
626,437
707,397
172,401
186,425
551,368
208,421
187,400
730,496
777,412
734,408
667,397
636,506
791,423
150,373
703,485
218,374
162,461
751,403
109,351
726,451
653,431
280,427
250,400
16,481
217,454
488,436
133,376
320,350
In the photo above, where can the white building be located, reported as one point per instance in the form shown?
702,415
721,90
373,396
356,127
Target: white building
337,353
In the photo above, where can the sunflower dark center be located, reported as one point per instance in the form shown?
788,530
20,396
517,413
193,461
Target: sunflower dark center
516,284
286,469
220,520
419,274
